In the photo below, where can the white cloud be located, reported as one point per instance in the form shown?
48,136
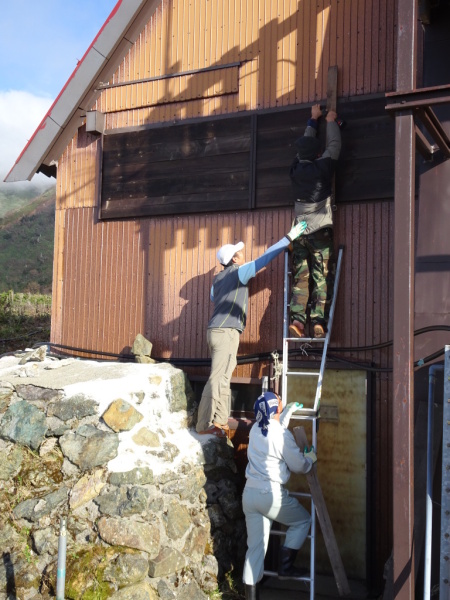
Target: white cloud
20,114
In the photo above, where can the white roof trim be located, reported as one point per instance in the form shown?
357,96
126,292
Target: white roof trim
115,38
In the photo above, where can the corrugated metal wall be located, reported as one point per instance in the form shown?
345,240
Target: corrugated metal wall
113,280
284,49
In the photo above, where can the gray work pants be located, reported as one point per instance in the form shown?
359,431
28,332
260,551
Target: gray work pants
215,402
261,508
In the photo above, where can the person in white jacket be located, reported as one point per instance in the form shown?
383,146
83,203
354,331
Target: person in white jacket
272,455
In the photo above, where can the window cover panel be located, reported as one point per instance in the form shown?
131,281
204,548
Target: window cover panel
240,162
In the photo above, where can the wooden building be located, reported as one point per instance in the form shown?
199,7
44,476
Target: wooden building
174,136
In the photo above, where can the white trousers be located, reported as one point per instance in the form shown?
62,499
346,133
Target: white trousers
261,508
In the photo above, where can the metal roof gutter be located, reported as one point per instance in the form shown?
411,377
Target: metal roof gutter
115,38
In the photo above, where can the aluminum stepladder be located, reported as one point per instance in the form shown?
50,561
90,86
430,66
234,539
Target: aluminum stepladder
307,414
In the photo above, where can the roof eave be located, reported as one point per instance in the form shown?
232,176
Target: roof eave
100,61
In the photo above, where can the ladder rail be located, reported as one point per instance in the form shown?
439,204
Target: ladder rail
286,339
330,325
307,414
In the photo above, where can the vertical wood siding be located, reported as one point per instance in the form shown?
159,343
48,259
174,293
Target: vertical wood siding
284,50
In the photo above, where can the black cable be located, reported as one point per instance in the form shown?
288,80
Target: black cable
250,358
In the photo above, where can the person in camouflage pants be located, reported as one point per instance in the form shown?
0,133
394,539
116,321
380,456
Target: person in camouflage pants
313,259
313,254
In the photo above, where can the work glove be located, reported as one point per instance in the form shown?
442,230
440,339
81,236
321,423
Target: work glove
287,411
310,454
297,230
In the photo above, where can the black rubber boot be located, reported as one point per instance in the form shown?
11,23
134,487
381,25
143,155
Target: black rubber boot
251,592
286,563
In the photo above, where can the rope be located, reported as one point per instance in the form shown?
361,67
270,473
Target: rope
277,367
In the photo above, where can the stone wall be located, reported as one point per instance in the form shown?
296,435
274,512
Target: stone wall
153,509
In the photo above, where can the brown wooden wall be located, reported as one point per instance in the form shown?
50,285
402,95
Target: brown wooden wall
239,162
152,275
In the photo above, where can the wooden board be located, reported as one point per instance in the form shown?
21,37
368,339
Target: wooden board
240,162
324,519
332,87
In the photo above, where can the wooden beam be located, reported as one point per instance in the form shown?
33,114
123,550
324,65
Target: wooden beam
324,519
332,88
434,127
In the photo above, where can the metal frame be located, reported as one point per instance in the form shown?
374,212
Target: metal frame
444,577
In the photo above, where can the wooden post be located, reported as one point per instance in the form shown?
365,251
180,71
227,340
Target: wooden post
324,519
332,88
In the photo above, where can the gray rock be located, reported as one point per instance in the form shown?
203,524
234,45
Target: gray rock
177,520
133,534
56,427
6,395
10,463
37,355
212,492
33,393
110,502
187,488
89,447
34,509
48,446
140,475
191,591
230,501
75,407
179,393
196,542
25,424
216,516
140,591
208,573
164,591
136,502
168,561
46,541
141,346
121,416
124,502
87,488
8,537
126,569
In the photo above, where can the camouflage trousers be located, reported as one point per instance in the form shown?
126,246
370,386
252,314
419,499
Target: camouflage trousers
313,269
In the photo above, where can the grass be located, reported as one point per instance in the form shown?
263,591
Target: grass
24,320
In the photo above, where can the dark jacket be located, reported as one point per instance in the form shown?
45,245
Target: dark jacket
312,179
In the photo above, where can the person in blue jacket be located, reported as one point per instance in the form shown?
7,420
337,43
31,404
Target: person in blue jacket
229,293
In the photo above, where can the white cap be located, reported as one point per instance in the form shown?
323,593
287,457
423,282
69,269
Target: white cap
227,252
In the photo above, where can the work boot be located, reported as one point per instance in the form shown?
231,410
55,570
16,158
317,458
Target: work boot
319,331
251,592
297,329
213,430
286,564
224,427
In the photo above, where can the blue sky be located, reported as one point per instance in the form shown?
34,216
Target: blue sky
40,44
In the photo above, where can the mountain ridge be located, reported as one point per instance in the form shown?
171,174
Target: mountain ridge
27,240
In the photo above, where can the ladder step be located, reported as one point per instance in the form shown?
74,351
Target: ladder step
302,374
275,574
279,533
304,340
